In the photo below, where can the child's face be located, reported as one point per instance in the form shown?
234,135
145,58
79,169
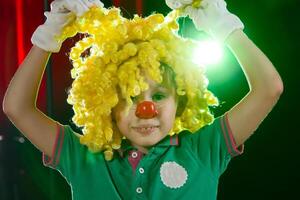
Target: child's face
164,101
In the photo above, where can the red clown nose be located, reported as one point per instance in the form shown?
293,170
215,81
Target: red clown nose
146,110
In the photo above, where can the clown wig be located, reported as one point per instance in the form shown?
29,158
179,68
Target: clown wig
118,50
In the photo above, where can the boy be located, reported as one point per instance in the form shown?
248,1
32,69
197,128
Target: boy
149,163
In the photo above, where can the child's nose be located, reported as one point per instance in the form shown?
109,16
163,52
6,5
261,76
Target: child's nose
146,110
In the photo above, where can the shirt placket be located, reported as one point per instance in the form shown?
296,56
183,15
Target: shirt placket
140,166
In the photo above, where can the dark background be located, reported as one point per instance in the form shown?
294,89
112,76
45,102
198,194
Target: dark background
269,167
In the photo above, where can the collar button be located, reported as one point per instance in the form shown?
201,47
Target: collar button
134,154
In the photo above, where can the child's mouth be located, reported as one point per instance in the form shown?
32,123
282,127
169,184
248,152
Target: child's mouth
146,130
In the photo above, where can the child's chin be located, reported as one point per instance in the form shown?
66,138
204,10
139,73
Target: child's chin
149,141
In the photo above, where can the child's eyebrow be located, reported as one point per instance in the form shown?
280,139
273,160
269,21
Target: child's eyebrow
160,87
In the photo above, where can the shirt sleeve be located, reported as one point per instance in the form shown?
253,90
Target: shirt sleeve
66,153
214,145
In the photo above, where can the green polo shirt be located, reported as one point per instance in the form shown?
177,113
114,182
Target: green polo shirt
183,166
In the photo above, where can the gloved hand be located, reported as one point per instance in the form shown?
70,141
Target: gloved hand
178,4
210,16
62,12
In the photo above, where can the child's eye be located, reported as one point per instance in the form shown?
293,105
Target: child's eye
158,97
155,97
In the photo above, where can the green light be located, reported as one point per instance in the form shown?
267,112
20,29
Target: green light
208,52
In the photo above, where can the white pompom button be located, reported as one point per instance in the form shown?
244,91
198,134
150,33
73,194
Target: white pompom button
173,175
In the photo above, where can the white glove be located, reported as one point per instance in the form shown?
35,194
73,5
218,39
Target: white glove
177,4
62,12
211,16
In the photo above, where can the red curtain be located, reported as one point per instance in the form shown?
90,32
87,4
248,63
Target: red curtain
18,19
135,6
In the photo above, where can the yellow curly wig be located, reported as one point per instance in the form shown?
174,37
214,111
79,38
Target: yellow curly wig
118,49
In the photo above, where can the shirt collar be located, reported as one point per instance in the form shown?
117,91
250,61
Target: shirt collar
165,142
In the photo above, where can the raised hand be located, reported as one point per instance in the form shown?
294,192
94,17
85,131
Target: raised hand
210,16
62,12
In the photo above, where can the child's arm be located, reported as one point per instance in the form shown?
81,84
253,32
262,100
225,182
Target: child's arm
19,102
265,83
265,87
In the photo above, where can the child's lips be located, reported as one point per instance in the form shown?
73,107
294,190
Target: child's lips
146,130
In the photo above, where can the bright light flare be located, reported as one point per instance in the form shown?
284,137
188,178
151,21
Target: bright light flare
208,53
